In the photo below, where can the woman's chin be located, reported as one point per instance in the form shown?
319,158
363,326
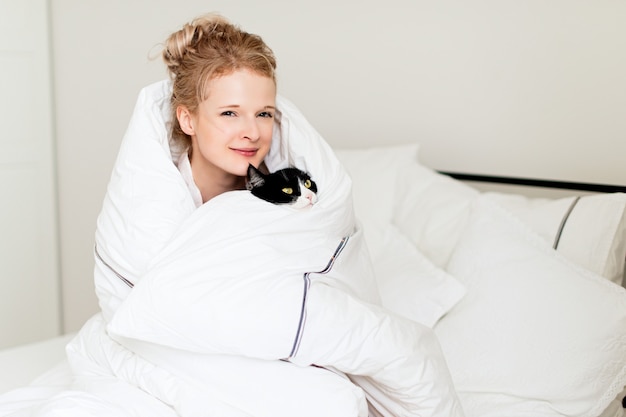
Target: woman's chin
241,171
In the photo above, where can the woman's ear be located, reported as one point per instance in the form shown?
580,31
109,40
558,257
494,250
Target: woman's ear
185,120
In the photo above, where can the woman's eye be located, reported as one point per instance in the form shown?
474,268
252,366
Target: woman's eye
266,114
307,184
288,190
228,113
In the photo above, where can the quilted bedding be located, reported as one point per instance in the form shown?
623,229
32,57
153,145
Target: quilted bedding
240,307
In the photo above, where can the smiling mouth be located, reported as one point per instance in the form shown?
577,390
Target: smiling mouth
245,152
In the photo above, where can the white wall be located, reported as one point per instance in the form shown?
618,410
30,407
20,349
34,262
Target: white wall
523,88
29,275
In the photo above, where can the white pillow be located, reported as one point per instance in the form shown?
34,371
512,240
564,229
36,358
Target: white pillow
593,233
375,174
535,334
432,210
409,284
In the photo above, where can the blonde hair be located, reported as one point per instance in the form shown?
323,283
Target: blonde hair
205,48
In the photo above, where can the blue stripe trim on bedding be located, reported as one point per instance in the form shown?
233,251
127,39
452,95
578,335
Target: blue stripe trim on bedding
127,282
307,285
563,221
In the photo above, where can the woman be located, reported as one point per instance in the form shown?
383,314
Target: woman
200,281
224,95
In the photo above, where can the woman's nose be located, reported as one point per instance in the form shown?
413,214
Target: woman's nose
251,130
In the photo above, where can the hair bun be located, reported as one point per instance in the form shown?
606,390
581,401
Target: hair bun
185,41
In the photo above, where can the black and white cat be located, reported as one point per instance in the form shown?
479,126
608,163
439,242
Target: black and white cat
290,186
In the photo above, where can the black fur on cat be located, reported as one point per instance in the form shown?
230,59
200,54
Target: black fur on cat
290,186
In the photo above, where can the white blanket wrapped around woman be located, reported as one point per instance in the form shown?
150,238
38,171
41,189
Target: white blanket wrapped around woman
241,296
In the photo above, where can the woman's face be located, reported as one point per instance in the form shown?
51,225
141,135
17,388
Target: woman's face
232,127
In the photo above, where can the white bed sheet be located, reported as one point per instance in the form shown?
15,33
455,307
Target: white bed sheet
21,365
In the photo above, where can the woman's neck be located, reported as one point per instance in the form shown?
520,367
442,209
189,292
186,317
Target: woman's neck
212,181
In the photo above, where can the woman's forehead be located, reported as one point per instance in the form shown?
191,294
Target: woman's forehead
239,88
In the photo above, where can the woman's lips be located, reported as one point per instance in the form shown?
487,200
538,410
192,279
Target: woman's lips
245,152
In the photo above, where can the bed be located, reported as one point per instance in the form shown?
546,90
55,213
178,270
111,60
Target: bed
524,296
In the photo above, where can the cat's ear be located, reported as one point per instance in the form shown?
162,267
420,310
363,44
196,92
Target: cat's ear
255,177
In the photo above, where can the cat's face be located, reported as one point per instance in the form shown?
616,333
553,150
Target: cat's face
289,186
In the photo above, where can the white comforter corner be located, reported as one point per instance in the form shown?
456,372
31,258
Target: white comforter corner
222,310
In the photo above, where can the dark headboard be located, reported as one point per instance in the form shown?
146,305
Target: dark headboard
564,185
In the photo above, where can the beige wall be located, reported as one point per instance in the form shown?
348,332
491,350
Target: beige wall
509,87
29,273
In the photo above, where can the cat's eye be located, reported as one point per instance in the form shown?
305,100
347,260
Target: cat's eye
307,184
288,190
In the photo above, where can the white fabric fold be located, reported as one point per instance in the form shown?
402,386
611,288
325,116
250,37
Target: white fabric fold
256,283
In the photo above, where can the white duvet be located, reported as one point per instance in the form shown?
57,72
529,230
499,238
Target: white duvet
240,307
